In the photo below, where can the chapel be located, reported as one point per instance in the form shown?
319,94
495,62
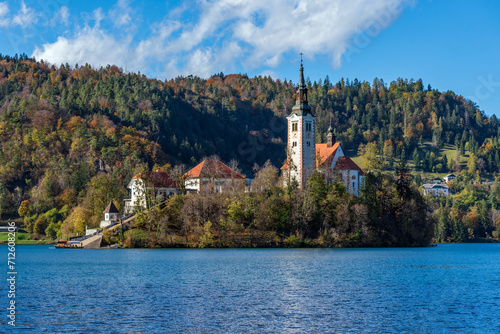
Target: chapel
304,155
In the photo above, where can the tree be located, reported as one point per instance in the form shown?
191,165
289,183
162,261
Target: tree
371,161
178,173
403,182
361,149
24,209
416,158
388,152
102,189
207,239
445,163
40,225
266,177
18,196
3,198
291,181
471,164
51,230
316,187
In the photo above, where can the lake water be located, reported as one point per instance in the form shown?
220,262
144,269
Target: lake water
449,288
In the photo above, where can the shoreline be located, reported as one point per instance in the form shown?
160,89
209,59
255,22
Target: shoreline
434,244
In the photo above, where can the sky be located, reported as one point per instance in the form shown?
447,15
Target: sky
449,44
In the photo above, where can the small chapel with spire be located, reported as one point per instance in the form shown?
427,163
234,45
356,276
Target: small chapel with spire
304,155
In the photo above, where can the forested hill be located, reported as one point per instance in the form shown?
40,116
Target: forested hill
60,126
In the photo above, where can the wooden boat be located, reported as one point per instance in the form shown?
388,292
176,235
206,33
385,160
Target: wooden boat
68,244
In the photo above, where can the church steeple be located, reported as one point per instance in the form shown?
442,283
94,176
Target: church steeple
330,137
301,149
301,106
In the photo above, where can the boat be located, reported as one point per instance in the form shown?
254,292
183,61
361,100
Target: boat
68,244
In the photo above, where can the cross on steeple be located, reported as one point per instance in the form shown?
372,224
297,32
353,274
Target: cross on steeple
301,54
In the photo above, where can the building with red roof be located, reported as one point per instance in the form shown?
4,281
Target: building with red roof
157,185
305,156
333,164
213,175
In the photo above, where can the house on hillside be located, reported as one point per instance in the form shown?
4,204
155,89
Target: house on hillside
153,185
435,180
436,189
449,178
213,176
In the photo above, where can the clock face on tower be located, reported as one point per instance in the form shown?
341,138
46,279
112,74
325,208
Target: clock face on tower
294,135
308,135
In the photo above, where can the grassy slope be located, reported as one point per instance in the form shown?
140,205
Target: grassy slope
447,149
22,239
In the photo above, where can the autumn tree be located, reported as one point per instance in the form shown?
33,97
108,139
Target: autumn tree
371,161
266,177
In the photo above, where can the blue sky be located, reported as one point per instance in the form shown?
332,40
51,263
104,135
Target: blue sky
452,45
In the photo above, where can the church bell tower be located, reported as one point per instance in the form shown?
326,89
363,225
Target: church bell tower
301,148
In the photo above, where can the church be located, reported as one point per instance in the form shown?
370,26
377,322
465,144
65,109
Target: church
304,155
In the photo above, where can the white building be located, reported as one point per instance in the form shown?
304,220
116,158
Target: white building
436,180
436,189
214,176
110,215
304,155
301,153
449,178
155,185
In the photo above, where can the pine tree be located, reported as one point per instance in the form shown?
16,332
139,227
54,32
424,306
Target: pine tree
416,158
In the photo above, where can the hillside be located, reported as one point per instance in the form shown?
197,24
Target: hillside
77,135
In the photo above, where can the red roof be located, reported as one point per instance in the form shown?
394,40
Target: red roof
158,180
213,168
325,154
345,163
325,157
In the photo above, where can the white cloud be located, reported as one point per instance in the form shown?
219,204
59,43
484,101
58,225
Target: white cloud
268,73
314,27
91,46
61,16
25,16
268,29
120,13
226,35
98,16
4,10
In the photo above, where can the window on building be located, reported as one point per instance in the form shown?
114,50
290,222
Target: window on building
354,177
294,144
308,143
295,126
354,185
308,126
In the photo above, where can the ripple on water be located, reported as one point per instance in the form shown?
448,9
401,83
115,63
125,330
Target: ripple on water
429,290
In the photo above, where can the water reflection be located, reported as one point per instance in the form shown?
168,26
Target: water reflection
439,289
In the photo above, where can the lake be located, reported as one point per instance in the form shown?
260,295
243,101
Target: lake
449,288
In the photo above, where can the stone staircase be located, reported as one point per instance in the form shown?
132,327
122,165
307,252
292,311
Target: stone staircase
96,240
92,242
